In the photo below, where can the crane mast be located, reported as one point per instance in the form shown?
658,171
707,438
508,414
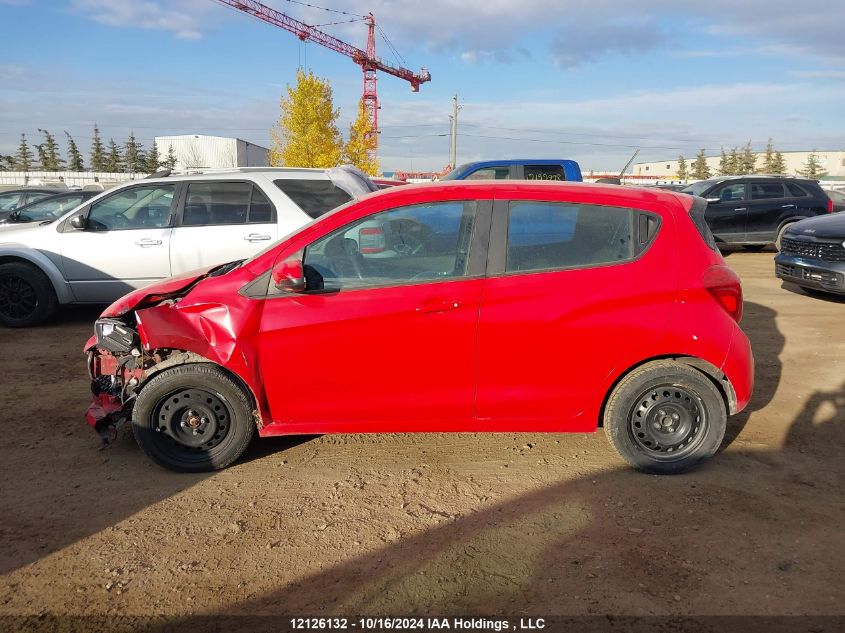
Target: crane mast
366,59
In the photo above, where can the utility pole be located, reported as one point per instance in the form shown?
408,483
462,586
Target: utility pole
453,155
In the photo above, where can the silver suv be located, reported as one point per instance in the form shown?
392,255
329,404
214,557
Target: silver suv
159,227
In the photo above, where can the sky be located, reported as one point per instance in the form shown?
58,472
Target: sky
592,80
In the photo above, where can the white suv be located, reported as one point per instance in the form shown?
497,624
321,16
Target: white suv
159,227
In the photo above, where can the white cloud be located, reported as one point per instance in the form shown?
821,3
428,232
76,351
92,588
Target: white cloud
183,18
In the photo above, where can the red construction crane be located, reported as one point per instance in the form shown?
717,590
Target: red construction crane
367,59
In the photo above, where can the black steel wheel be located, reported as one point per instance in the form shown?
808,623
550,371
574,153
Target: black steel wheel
665,417
193,418
26,295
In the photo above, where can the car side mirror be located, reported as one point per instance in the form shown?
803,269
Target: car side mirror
288,275
713,200
78,222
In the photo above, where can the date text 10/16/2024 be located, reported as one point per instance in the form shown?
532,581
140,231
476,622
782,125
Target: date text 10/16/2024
416,624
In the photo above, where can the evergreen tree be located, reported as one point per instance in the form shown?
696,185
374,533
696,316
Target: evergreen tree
812,167
306,134
733,162
778,164
724,169
7,163
362,141
98,153
700,170
113,159
170,161
682,169
768,159
74,156
23,158
152,161
48,153
748,159
133,155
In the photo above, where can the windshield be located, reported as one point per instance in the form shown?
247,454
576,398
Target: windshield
49,209
457,171
696,189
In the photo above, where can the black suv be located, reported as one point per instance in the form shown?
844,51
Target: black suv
812,254
755,210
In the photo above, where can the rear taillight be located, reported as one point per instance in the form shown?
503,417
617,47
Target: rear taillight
371,240
724,285
830,205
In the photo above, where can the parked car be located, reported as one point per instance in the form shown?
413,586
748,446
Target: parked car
756,210
12,199
47,209
838,198
670,186
812,254
150,229
517,169
541,307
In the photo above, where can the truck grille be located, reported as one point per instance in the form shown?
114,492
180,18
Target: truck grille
828,251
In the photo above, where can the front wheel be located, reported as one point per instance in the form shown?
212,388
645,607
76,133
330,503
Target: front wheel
665,418
193,418
27,297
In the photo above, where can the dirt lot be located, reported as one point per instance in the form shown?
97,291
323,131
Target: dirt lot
434,524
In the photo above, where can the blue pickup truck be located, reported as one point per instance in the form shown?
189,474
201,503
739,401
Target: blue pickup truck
517,169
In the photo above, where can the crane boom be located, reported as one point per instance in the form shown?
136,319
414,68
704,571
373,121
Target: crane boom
367,60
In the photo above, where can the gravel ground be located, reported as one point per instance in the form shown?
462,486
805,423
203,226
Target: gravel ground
433,523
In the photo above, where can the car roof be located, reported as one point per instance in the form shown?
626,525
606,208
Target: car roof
481,188
37,189
517,161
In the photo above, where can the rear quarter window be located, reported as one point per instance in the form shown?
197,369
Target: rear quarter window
696,213
315,197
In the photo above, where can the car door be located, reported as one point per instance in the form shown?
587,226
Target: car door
384,339
766,207
726,213
220,222
574,291
124,245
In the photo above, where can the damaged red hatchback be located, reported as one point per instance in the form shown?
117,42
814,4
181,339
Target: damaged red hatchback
470,306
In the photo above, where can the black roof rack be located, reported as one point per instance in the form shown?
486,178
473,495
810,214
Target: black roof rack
164,173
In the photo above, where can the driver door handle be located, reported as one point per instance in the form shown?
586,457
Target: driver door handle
741,209
787,206
257,237
147,242
438,305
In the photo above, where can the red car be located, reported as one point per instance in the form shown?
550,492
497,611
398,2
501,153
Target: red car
487,306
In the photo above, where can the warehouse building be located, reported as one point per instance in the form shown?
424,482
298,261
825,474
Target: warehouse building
195,151
833,162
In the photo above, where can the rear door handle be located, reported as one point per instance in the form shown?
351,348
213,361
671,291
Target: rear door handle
257,237
438,305
787,206
147,242
741,209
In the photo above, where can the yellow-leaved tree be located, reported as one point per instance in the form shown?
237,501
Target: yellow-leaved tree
306,134
360,143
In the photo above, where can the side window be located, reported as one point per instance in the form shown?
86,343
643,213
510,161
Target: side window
544,172
551,235
766,190
729,193
216,203
491,173
9,201
135,208
795,191
32,196
51,208
411,244
260,209
315,197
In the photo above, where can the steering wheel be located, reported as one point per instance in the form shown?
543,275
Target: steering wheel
407,245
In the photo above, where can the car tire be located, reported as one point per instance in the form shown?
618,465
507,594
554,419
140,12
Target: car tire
780,234
665,417
754,248
27,297
193,418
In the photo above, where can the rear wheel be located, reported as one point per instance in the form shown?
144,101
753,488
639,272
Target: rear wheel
193,418
26,295
780,234
665,417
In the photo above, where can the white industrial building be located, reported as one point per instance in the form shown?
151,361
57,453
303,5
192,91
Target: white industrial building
196,151
667,170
